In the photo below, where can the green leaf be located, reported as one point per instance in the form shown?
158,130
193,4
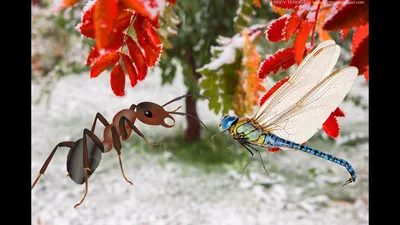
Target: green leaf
243,15
168,70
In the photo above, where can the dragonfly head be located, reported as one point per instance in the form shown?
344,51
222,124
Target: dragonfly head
227,121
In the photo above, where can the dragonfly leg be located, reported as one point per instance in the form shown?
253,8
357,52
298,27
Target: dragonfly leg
252,154
262,161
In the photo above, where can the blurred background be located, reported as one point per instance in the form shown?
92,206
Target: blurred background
189,179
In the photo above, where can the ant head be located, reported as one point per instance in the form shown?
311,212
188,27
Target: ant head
153,114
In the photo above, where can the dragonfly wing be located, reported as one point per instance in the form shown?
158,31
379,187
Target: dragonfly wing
311,111
313,69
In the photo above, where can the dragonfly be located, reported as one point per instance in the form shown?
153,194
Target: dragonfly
298,108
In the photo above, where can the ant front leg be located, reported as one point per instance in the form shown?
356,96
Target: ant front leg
68,144
102,120
86,168
124,133
117,146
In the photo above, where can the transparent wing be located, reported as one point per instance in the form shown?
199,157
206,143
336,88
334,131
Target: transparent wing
311,111
314,68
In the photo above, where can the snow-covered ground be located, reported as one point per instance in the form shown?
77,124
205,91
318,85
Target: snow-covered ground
176,193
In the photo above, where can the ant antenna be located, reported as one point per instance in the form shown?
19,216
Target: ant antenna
183,96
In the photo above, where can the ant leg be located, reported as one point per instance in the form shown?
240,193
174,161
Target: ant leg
68,144
131,125
117,146
97,141
133,107
102,120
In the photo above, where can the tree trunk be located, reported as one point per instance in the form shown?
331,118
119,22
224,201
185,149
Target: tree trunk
192,132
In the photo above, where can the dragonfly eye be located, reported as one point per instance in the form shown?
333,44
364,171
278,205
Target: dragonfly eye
223,117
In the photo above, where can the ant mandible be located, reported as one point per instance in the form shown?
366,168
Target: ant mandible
84,155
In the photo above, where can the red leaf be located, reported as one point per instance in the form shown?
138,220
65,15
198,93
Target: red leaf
106,13
338,112
359,34
87,25
117,80
138,6
366,73
301,40
68,3
117,42
137,57
103,63
123,20
172,1
148,39
154,22
331,126
348,16
143,26
272,90
292,24
344,32
93,55
130,69
151,54
273,149
286,4
275,29
282,58
360,57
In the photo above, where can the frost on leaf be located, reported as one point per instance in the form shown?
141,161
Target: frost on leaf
226,52
292,23
282,58
117,80
103,63
117,42
274,31
348,15
146,8
220,77
86,27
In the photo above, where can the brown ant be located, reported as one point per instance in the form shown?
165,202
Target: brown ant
84,155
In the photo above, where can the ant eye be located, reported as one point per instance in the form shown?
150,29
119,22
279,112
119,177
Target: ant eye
148,113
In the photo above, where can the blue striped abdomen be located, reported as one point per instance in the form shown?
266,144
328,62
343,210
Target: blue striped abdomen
271,141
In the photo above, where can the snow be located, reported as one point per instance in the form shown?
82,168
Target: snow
229,46
173,192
